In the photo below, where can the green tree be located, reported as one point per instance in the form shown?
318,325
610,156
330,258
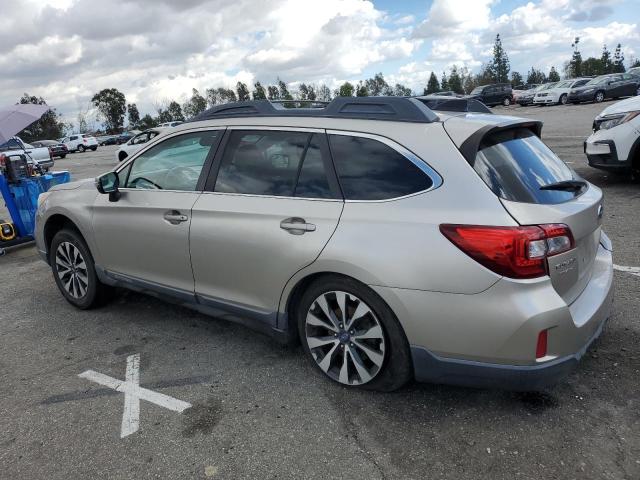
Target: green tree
195,105
455,81
220,95
284,91
361,90
554,76
306,92
618,60
499,67
323,93
112,106
635,62
273,93
573,69
516,79
259,92
243,92
536,76
444,83
147,122
401,91
133,115
469,84
378,86
346,90
433,85
592,66
606,64
49,127
175,111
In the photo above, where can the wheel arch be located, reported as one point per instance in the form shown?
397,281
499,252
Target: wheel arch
54,224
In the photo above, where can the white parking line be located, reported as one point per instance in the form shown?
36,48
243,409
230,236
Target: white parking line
631,270
133,393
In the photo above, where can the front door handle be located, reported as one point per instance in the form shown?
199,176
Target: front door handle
174,217
297,226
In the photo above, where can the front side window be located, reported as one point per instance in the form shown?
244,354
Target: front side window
370,170
273,163
174,164
139,139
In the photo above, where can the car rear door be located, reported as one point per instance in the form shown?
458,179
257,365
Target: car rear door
270,206
515,164
143,237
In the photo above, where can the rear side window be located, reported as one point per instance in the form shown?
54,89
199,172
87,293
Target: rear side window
370,170
515,164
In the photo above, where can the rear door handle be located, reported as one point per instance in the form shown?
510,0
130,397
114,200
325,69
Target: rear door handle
174,217
297,226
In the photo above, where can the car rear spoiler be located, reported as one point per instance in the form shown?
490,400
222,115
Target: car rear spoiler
469,147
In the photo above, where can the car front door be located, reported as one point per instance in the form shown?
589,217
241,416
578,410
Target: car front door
143,237
616,87
270,206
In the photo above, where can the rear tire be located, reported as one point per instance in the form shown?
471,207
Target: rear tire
62,156
94,148
74,271
81,148
389,365
506,102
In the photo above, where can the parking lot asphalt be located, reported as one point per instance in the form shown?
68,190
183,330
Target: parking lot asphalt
260,411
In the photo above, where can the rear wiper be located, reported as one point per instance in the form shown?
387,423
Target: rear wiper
568,185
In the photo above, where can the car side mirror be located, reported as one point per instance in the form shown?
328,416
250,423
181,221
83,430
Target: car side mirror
109,183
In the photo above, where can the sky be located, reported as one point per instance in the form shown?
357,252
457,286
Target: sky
159,50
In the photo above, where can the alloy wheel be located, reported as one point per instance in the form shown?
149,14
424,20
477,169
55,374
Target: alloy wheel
599,97
71,269
345,338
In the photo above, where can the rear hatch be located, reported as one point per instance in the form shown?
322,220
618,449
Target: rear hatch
536,188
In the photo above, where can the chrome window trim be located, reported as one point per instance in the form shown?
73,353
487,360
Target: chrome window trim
282,197
276,128
435,177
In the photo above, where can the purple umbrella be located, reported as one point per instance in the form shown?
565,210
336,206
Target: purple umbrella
17,117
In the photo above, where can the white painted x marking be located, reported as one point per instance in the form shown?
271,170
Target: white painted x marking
631,270
133,393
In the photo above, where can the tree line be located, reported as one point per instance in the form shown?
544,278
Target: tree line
112,106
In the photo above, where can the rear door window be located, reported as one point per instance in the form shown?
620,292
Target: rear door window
370,170
516,163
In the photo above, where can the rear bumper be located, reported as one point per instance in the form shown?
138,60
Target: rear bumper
489,339
434,369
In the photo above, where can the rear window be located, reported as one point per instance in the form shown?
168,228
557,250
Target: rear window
515,164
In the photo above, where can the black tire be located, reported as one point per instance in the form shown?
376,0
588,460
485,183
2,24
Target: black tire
563,99
81,148
94,148
506,101
397,367
122,156
599,96
62,156
96,292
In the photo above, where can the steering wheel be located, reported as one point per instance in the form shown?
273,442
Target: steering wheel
134,183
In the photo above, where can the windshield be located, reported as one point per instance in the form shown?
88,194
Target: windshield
598,80
515,164
476,90
565,84
11,144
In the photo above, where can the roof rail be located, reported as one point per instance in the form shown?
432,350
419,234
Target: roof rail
395,109
453,104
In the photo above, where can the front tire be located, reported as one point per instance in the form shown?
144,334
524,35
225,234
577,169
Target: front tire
81,148
93,149
74,271
599,97
350,335
63,156
563,99
506,102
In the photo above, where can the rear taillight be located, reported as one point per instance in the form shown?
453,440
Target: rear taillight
541,345
515,252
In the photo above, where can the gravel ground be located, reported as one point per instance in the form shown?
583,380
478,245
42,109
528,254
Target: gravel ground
260,411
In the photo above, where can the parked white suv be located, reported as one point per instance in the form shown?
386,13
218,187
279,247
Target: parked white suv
559,94
614,144
80,142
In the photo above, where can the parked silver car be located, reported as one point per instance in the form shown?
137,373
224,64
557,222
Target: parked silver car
393,241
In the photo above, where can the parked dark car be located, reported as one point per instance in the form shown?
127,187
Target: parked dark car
56,148
108,140
496,94
606,86
124,137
